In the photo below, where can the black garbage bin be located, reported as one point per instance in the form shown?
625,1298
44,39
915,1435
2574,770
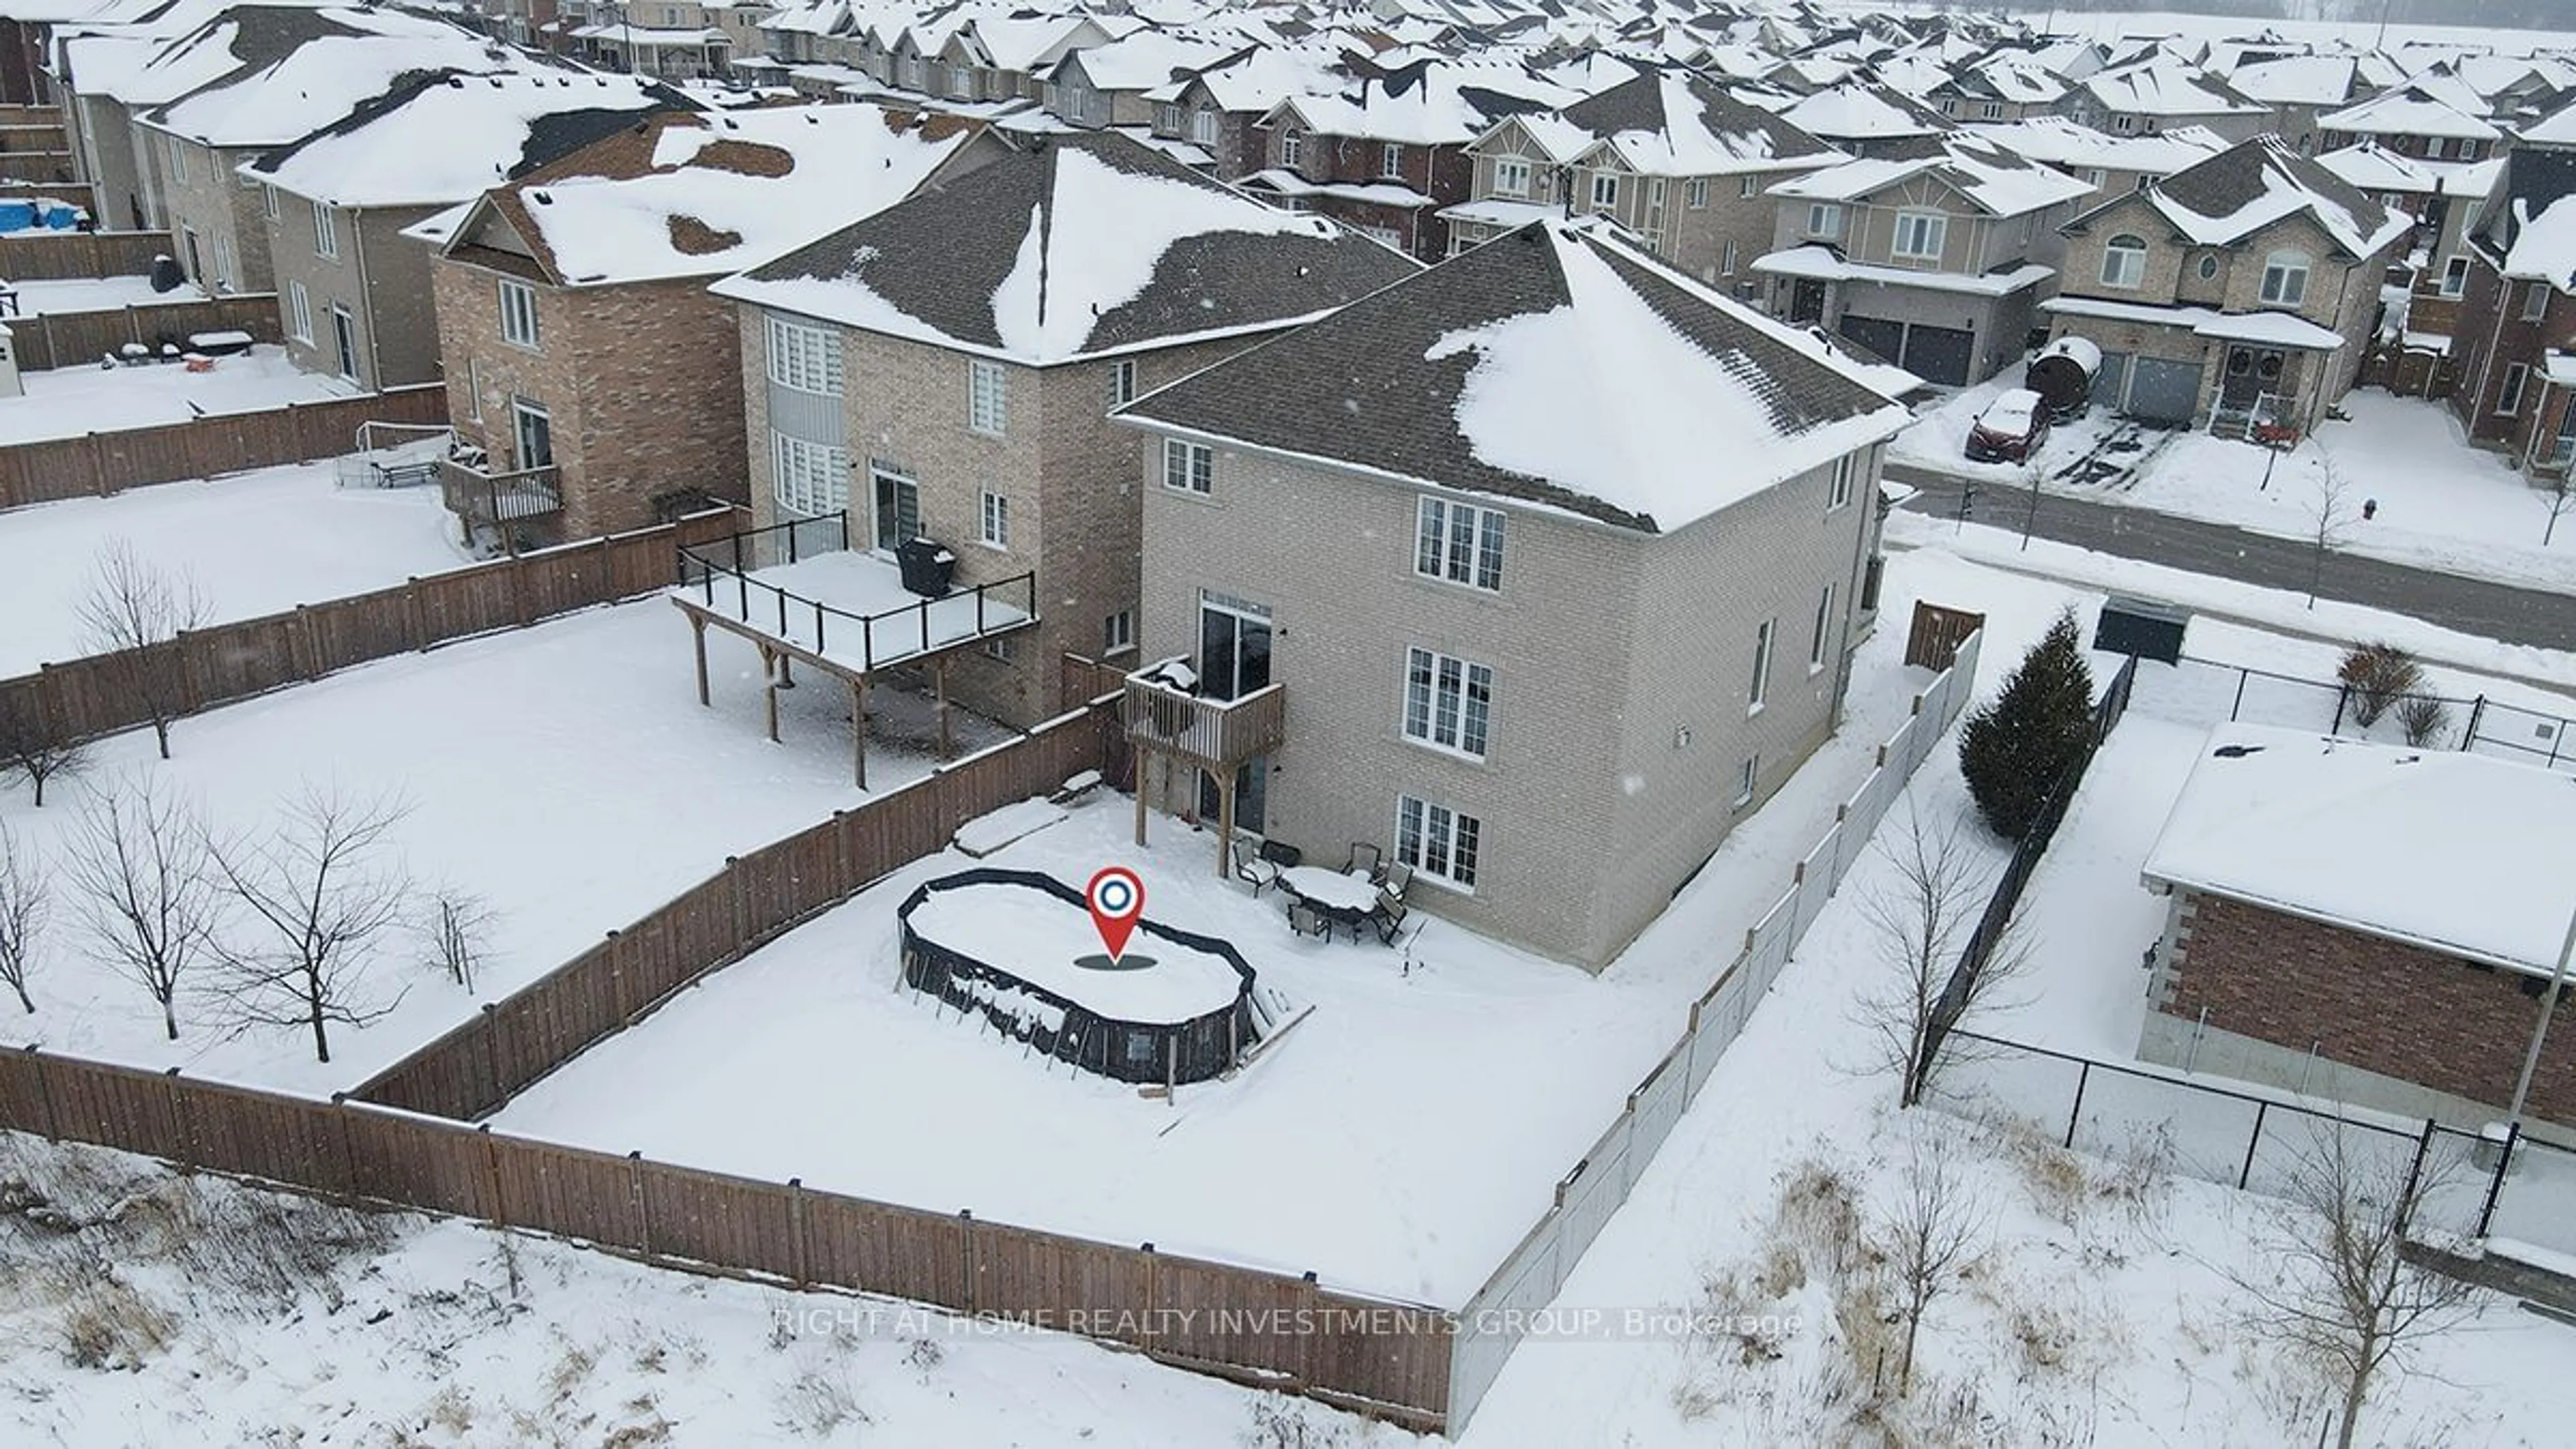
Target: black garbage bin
925,567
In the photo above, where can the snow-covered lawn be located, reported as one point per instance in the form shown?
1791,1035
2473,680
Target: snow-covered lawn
97,294
224,1315
66,402
2442,504
565,773
255,543
2101,1308
1398,1141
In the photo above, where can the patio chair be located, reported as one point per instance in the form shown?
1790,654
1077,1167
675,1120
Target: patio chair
1305,920
1398,876
1281,854
1363,855
1389,916
1255,872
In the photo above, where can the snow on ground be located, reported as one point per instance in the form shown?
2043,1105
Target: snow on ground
255,543
2100,1308
2442,504
566,773
149,1308
66,402
1397,1141
97,294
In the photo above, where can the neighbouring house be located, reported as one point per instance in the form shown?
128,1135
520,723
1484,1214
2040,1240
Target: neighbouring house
2004,87
2364,923
668,39
1108,84
2430,118
353,293
1866,120
2514,345
1218,109
594,383
2242,292
2442,198
1933,254
2160,93
2111,165
1539,572
985,327
2301,88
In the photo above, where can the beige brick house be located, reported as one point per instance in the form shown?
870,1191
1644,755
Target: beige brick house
593,379
2243,288
945,370
2364,923
1537,572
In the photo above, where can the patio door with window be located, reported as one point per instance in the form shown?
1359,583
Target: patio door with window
1234,660
344,337
534,431
898,508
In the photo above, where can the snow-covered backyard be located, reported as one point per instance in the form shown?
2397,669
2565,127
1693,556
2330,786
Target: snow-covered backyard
565,773
2439,503
65,402
254,543
95,294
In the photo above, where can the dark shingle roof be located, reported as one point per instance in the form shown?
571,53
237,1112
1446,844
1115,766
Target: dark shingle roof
1357,388
2236,181
1638,105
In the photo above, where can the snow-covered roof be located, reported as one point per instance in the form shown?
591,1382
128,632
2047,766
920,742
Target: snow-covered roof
1859,113
2255,183
2071,145
2166,87
1372,193
450,140
702,195
2298,80
1670,125
1433,103
1082,244
321,78
2544,246
1493,212
2411,110
2373,167
1554,367
2272,329
1998,181
1820,262
2444,849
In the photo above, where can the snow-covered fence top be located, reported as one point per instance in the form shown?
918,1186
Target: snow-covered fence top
103,463
80,339
61,256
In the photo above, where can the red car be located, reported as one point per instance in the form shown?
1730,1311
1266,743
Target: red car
2010,429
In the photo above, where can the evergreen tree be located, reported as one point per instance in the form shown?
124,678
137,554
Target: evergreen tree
2013,750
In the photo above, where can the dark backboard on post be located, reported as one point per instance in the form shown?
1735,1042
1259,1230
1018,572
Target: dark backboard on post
2142,628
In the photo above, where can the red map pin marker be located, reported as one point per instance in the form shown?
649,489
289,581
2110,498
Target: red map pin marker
1116,898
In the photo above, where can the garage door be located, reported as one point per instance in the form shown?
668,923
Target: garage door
2163,392
2109,378
1942,355
1880,336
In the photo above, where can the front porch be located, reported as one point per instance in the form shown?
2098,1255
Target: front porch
1171,728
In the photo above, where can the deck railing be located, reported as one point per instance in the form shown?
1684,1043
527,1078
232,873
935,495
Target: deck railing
1217,732
483,495
720,575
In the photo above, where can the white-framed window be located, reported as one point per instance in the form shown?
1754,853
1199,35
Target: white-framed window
1747,187
1605,191
1170,116
987,397
2124,123
805,357
1440,843
1292,148
1448,703
1762,636
1990,110
809,479
2509,397
1816,649
1838,491
1460,543
2562,449
299,312
1189,467
518,314
1919,235
178,160
1203,126
326,232
1695,194
1390,161
1748,780
2285,279
2209,266
1824,220
2124,262
996,520
2535,301
1122,382
268,201
223,262
2455,276
998,650
1511,176
1726,259
1118,632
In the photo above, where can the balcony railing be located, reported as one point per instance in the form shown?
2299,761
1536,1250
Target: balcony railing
480,495
1221,733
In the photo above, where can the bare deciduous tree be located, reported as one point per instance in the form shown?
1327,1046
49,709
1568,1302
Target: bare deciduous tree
2559,499
2347,1299
2330,516
22,911
1929,1232
136,864
315,894
455,930
1925,913
132,613
35,748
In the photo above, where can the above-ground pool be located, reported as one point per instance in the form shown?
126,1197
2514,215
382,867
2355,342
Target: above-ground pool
1019,948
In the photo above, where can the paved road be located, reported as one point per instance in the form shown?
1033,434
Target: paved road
2513,614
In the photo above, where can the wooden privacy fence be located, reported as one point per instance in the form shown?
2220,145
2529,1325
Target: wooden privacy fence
97,464
1380,1357
471,1071
63,256
36,165
80,339
104,693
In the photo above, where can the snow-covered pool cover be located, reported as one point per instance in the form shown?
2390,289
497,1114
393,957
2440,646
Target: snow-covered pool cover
1036,937
2457,852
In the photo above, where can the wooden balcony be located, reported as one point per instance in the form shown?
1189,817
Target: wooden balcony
1216,734
482,496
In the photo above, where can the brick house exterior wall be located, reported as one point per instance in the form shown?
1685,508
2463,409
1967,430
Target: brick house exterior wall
379,275
2492,336
1622,676
214,204
1444,173
2380,1006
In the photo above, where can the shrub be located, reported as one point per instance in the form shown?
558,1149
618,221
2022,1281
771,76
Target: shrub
2376,675
2422,717
2015,748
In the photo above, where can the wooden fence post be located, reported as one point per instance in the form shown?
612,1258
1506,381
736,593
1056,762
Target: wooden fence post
45,1092
181,1127
98,466
499,1214
966,1251
797,1270
415,629
641,1202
